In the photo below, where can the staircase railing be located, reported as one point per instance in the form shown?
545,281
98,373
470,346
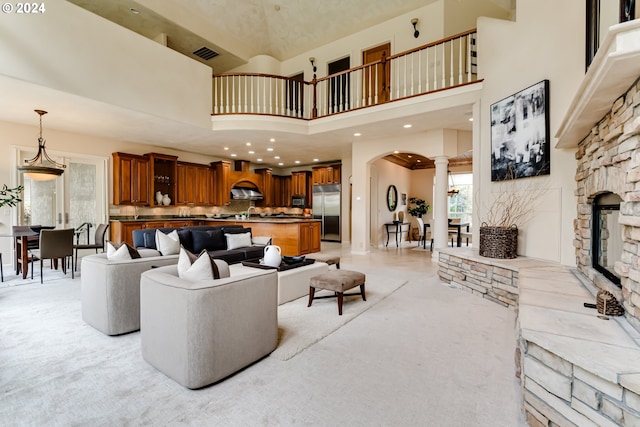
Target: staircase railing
443,64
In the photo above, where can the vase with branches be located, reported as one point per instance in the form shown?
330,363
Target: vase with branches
511,208
420,207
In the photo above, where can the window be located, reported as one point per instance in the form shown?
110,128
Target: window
461,204
601,14
607,235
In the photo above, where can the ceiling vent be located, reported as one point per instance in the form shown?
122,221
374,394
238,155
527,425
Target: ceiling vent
205,53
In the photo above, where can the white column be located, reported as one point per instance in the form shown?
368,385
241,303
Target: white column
440,205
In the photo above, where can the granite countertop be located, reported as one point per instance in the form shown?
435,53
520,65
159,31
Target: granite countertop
269,219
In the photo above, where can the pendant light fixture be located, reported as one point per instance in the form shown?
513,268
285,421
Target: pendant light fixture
452,188
34,168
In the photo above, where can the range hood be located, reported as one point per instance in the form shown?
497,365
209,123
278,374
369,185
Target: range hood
245,193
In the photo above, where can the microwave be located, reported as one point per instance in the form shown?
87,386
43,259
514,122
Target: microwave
297,201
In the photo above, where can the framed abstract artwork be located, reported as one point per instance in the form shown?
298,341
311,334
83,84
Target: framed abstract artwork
520,134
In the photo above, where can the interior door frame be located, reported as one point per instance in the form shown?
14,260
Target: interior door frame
62,185
383,88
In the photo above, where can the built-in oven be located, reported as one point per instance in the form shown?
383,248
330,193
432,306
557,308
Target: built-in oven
298,201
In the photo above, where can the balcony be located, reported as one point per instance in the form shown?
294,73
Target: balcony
437,66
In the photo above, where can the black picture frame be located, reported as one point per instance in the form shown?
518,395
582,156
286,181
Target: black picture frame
520,140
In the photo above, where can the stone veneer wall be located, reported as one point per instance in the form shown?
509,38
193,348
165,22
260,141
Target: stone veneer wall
609,161
557,393
481,277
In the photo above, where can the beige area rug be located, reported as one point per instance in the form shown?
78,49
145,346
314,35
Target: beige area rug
299,326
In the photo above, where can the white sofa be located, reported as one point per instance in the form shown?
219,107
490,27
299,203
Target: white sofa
198,333
110,290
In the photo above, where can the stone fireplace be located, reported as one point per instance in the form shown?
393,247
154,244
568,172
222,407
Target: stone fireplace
607,227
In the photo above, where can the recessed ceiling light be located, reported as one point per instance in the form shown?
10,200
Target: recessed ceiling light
470,119
357,134
226,148
276,157
280,164
248,144
252,152
269,149
396,152
233,154
258,160
316,160
297,162
272,140
407,126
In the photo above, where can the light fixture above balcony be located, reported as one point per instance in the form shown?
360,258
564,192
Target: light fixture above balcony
35,168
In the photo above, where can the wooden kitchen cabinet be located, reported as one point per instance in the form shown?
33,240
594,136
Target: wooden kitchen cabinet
310,234
194,182
162,176
301,184
122,231
322,175
281,191
130,179
222,183
267,187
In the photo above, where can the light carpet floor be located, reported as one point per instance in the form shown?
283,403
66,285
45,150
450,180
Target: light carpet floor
300,326
425,355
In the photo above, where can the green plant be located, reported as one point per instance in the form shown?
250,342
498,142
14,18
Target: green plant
10,196
421,207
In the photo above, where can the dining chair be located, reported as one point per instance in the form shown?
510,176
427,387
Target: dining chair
466,235
453,233
54,245
98,242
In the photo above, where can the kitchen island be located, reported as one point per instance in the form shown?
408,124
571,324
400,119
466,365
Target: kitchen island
295,235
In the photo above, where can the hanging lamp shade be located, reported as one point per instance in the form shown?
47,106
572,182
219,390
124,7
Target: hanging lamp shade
36,168
452,188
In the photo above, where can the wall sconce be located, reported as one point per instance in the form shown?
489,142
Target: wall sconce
313,65
414,22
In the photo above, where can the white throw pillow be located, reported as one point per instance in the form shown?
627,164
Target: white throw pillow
240,240
117,253
199,270
168,244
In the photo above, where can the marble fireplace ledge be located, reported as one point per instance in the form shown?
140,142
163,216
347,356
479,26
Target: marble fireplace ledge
551,314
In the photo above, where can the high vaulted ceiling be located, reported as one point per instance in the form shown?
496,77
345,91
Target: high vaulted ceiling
278,28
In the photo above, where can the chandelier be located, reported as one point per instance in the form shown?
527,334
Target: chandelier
34,168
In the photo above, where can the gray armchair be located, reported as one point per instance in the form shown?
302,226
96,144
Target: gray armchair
198,333
54,245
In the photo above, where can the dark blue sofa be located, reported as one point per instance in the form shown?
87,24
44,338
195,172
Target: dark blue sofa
196,238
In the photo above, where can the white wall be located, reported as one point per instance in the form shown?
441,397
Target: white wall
110,63
545,42
389,174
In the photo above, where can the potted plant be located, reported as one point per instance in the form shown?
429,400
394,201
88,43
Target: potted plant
10,196
420,207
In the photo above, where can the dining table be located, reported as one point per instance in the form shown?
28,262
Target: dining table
458,227
21,249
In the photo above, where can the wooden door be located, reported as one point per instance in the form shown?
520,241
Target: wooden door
376,79
295,95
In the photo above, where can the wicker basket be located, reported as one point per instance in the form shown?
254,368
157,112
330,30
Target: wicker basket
607,304
498,242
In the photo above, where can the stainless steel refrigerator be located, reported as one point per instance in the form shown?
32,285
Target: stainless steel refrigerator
326,207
